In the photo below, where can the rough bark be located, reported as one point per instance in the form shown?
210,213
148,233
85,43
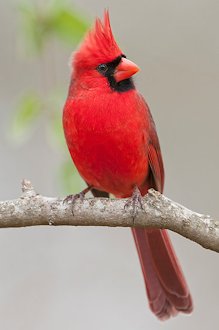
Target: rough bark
32,209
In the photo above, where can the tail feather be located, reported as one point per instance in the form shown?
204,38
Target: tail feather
165,284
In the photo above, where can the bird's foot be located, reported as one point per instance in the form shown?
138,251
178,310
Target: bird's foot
73,198
135,201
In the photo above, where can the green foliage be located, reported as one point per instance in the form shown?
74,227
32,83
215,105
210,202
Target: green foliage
55,19
52,20
31,108
55,101
68,26
28,111
71,181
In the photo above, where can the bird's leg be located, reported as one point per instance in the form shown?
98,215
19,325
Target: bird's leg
135,201
74,197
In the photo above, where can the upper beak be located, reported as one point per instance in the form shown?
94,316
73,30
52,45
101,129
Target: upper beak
125,70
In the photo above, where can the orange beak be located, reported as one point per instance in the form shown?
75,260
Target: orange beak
125,70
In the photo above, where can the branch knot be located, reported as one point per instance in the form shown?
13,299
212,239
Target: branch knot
27,189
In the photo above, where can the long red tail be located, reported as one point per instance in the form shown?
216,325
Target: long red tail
166,287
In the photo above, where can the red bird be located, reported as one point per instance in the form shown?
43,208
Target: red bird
113,142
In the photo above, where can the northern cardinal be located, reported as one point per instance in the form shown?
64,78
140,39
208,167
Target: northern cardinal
113,142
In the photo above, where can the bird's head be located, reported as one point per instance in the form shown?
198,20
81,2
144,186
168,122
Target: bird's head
100,61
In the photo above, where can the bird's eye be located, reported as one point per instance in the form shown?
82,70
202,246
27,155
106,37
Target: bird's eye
102,68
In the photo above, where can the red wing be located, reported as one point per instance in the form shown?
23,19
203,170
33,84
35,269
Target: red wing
156,175
155,158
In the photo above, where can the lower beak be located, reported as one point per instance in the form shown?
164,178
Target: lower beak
125,70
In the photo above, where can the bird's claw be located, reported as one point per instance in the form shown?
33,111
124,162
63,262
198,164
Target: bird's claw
135,201
73,198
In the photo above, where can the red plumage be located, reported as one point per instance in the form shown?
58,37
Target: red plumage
98,47
113,142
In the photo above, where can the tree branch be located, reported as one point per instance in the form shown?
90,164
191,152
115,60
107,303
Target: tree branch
32,209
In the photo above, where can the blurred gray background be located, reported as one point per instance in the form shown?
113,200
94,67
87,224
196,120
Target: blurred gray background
89,278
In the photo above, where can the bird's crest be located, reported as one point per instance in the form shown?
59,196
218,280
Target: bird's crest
99,45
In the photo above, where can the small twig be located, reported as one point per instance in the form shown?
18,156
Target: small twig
32,209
